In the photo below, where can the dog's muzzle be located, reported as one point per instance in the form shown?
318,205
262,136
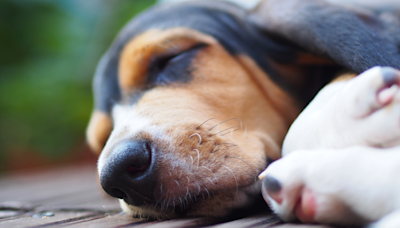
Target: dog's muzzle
129,172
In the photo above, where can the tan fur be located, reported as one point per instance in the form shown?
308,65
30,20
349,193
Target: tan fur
138,53
205,166
100,127
344,77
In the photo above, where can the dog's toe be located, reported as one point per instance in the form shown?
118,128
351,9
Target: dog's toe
330,186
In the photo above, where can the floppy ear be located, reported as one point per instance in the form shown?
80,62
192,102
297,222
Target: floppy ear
357,40
98,131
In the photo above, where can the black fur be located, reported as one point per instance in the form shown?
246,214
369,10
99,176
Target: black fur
228,28
356,39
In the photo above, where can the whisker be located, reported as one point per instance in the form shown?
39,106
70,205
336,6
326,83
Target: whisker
170,42
215,143
255,176
177,183
210,180
208,170
199,189
205,122
227,129
192,161
227,121
198,157
237,186
231,132
207,192
226,147
227,144
215,149
197,134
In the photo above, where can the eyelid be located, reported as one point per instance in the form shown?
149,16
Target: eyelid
159,67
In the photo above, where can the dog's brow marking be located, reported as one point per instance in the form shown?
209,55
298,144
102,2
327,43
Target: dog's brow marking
206,122
227,121
198,157
230,170
197,134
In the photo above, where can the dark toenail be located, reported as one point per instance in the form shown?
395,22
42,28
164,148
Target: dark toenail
272,184
390,75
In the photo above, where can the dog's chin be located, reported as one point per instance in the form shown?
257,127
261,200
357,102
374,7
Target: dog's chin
218,204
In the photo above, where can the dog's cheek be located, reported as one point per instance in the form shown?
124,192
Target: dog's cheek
98,131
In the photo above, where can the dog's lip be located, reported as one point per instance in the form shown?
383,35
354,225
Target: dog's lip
126,199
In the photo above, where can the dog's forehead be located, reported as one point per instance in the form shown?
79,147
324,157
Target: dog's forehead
223,21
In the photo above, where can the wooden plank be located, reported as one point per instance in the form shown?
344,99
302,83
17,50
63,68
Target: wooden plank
117,220
258,220
293,225
73,198
58,218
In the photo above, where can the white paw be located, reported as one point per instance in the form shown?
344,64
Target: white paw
362,111
357,185
391,220
370,108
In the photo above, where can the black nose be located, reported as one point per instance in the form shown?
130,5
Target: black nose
129,172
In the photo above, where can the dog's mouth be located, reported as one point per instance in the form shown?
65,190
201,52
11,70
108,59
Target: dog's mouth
212,204
164,173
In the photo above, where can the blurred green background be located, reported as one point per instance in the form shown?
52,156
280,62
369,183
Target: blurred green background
48,54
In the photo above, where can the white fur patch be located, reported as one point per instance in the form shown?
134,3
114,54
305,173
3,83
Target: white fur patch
127,124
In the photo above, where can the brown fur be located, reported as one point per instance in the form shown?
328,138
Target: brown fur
100,127
231,154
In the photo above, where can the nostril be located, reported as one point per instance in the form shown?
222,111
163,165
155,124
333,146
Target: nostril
115,192
129,172
134,170
142,162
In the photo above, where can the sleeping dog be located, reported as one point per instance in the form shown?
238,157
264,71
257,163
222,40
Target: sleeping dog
193,100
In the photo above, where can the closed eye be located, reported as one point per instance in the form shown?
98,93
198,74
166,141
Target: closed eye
171,69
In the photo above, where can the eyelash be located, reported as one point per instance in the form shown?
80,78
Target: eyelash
161,74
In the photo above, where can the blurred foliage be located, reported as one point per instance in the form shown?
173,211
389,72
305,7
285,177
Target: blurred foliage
48,53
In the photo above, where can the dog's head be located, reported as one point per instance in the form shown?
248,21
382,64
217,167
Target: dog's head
189,103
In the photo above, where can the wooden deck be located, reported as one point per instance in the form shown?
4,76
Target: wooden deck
71,197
